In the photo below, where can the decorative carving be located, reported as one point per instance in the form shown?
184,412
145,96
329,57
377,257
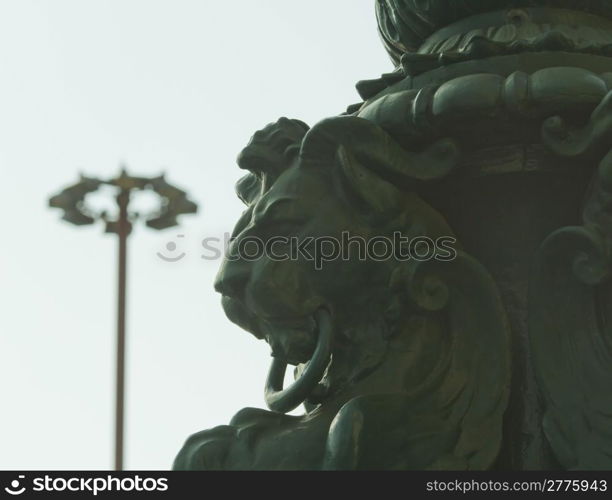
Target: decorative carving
486,97
570,309
405,24
473,47
420,350
491,124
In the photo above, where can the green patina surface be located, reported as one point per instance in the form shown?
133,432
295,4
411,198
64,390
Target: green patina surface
494,130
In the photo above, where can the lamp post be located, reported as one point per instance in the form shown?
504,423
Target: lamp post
173,202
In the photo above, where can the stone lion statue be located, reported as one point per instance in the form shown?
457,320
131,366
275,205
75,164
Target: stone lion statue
400,363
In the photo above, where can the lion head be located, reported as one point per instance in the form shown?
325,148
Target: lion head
411,342
298,205
275,298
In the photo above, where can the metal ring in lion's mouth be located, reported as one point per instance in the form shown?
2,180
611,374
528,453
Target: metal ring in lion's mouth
284,400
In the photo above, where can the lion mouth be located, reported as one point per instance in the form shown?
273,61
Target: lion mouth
300,340
238,314
293,340
284,400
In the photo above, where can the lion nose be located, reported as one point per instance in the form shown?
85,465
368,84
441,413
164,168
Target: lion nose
231,279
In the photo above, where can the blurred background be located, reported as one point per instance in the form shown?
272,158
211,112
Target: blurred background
160,85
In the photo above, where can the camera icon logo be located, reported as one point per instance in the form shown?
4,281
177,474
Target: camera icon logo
14,487
171,247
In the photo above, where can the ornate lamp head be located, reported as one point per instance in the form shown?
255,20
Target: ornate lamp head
405,25
173,201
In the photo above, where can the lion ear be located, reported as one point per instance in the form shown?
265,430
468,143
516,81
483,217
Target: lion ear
377,194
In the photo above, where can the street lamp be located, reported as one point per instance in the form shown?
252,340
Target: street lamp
173,202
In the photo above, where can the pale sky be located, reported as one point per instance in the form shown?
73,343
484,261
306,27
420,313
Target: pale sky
160,85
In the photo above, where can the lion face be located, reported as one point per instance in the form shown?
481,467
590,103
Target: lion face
275,295
273,279
394,335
